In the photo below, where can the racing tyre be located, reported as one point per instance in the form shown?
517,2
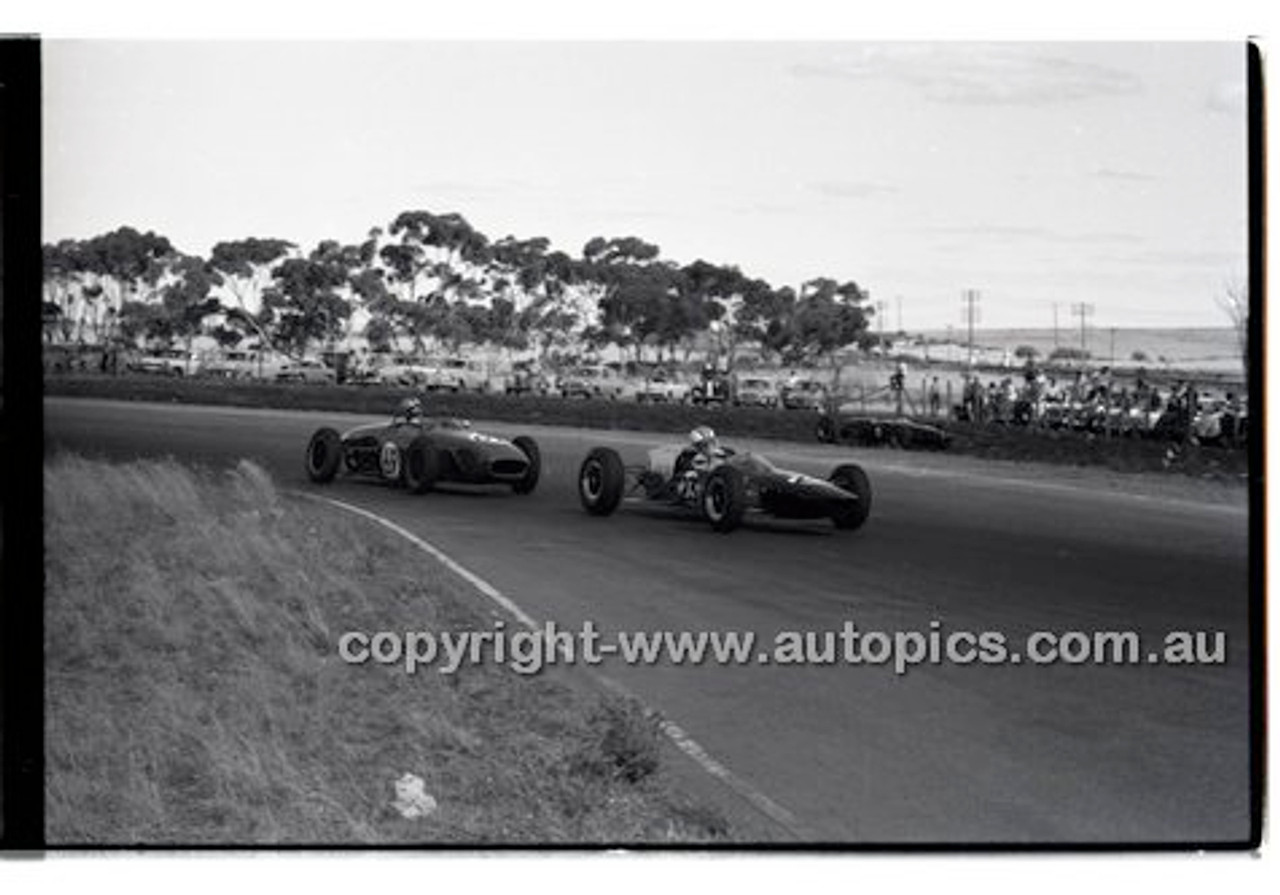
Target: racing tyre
421,465
529,448
324,455
724,499
601,481
851,478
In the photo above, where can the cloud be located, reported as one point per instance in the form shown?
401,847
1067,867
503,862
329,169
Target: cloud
847,189
977,74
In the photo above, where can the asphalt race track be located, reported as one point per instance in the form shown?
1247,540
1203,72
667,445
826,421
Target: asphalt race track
945,753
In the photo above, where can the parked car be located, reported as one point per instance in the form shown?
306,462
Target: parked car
167,362
594,382
307,370
396,369
244,364
72,358
663,387
457,374
754,391
526,378
804,394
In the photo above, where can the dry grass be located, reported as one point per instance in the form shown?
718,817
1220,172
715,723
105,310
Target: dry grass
194,692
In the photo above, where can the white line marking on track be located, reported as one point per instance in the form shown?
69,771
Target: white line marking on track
676,734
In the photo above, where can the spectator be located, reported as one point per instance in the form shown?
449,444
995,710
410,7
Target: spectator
898,380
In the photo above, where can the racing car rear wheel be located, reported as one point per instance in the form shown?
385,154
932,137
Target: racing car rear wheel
851,478
324,455
529,448
724,498
421,465
601,481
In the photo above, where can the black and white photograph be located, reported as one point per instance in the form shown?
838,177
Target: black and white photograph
650,444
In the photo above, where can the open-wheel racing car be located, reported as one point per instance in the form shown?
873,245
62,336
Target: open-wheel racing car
874,431
418,451
722,485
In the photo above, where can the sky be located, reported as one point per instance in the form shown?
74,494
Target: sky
1041,174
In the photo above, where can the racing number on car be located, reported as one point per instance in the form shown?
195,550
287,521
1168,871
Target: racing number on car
389,460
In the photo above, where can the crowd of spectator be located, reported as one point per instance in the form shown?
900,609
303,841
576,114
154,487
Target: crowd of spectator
1098,401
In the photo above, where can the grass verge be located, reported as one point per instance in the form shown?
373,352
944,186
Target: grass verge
194,694
1116,453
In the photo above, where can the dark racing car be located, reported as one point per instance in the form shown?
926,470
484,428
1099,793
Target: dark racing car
418,451
722,485
872,431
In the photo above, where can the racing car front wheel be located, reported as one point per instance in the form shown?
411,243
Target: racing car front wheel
529,480
324,455
601,481
850,477
421,465
724,498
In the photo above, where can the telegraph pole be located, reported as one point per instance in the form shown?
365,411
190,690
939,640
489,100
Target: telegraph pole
970,298
1084,311
881,308
899,313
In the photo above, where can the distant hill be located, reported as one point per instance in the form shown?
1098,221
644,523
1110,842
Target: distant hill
1210,348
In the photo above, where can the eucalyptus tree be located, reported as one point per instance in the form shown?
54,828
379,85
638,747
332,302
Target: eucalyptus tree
356,278
63,267
178,310
306,301
629,288
828,317
112,269
766,317
247,268
420,269
434,253
565,308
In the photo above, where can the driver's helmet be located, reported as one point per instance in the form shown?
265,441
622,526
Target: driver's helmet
410,409
704,439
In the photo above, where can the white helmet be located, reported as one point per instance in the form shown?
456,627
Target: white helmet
703,437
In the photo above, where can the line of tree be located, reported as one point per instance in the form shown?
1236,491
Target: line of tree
433,280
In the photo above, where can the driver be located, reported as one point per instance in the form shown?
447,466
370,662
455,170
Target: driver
704,442
410,411
703,452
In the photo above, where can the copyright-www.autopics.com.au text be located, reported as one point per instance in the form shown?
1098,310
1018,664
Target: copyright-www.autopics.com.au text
528,651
